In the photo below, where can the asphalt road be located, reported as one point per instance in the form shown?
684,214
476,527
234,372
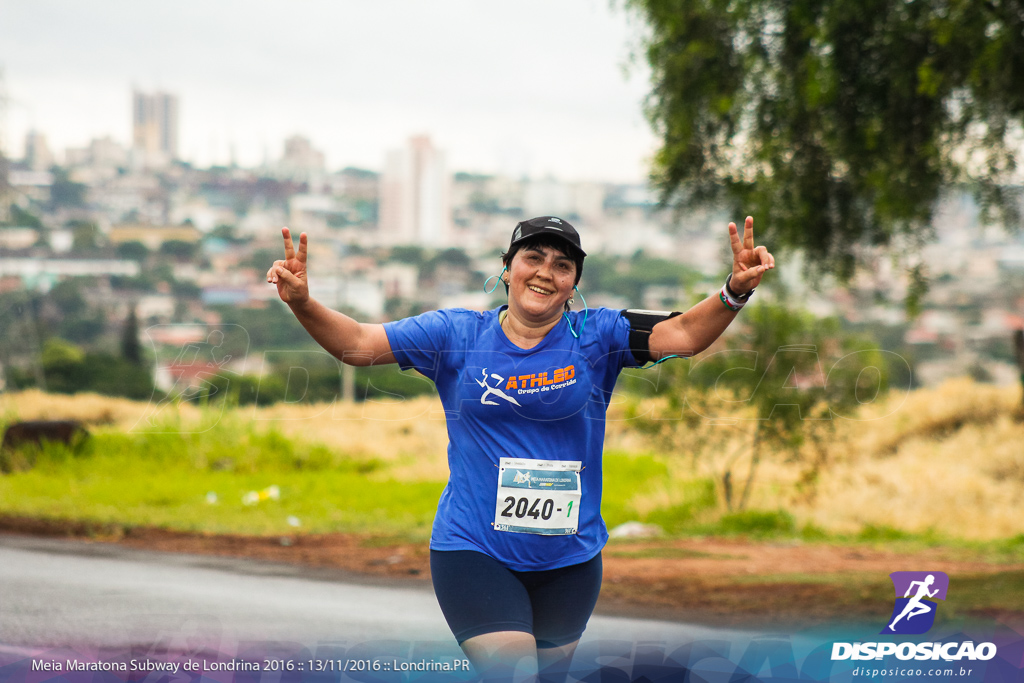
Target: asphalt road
66,593
77,607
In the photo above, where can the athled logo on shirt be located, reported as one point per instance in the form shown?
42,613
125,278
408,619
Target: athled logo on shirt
541,379
522,384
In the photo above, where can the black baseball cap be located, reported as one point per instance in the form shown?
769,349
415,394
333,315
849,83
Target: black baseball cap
547,225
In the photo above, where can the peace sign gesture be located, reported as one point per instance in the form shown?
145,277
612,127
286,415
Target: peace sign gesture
290,274
749,263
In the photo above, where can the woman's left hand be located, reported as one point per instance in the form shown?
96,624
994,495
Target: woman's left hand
749,263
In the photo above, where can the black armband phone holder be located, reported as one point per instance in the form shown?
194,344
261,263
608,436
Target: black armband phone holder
640,325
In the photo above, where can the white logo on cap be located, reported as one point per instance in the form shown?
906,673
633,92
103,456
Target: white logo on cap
554,220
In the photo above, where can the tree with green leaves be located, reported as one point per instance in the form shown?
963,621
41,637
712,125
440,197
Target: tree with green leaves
133,250
837,123
22,218
179,250
778,390
86,236
65,193
131,349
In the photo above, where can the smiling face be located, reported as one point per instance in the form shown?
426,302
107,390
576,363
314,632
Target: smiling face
541,279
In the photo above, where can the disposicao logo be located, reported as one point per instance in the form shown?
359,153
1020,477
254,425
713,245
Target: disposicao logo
915,608
914,614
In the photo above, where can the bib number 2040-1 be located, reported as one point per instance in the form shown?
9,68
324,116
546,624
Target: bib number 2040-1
538,496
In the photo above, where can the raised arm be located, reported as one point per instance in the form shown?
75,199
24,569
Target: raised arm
696,329
349,341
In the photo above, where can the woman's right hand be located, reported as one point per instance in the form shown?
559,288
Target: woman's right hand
290,274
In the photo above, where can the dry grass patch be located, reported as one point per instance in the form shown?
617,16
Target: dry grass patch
947,461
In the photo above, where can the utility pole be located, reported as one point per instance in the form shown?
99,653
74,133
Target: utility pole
6,191
3,113
1018,346
348,383
5,186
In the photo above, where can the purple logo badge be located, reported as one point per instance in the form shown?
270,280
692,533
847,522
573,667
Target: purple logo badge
914,612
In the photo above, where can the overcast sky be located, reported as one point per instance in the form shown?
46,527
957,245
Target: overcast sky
535,86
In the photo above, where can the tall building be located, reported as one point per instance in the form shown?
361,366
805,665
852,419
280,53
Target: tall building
103,152
155,126
6,196
415,196
301,161
37,153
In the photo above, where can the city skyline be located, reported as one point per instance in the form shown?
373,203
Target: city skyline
534,89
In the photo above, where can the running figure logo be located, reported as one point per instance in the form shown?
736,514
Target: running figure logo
914,613
493,390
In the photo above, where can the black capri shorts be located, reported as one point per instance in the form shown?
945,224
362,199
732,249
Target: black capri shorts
480,595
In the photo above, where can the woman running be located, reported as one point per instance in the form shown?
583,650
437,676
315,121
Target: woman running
515,551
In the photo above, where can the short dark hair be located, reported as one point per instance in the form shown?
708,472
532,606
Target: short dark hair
546,240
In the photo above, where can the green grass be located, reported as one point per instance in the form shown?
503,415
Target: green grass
628,478
882,533
164,480
624,476
757,524
1002,551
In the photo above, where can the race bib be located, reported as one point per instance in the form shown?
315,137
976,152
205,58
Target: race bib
538,496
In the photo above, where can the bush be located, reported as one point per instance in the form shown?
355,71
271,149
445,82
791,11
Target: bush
318,385
699,495
26,456
758,523
882,533
69,370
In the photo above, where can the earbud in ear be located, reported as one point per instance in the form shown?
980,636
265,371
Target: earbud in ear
496,277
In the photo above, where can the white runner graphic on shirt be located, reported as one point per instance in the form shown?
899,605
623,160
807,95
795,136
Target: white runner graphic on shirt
493,390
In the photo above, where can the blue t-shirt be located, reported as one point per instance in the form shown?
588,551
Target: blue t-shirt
547,403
